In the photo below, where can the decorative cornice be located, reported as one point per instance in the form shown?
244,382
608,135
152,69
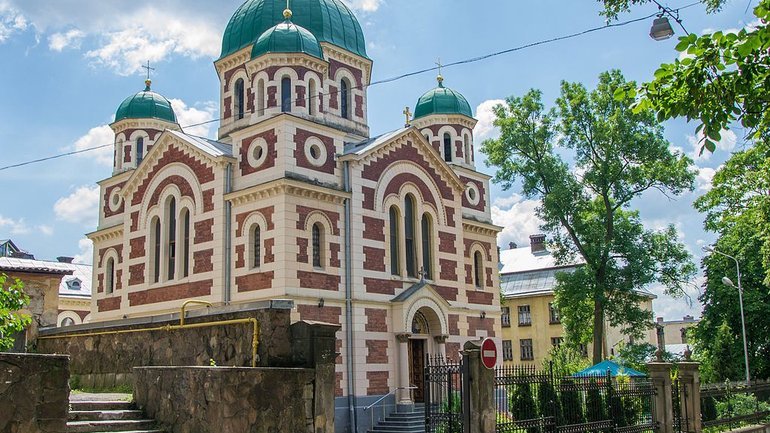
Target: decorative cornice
160,125
445,119
471,172
441,339
287,186
481,228
115,179
403,337
237,58
106,234
345,56
286,59
70,301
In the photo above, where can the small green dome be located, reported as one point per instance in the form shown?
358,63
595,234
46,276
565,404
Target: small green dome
329,20
287,37
146,105
442,100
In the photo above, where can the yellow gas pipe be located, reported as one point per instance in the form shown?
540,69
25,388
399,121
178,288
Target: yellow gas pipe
253,321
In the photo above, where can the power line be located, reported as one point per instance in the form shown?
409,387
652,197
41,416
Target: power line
400,77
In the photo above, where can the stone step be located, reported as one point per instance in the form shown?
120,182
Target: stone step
110,426
405,418
101,405
384,428
103,415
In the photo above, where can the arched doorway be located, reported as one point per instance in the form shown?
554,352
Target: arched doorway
425,327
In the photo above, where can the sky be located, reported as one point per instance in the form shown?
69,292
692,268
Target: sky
68,64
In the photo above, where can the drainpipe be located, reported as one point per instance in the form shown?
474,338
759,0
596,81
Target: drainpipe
353,423
228,234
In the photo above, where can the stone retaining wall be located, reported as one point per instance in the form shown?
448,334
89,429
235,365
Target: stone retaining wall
34,393
106,360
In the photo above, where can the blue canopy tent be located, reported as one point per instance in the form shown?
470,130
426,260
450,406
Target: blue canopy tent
601,368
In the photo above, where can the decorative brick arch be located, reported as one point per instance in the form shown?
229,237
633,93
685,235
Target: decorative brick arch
427,304
396,176
183,181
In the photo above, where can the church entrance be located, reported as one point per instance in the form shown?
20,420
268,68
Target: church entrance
416,369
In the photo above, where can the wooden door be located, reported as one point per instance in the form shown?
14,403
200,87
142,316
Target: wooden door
417,369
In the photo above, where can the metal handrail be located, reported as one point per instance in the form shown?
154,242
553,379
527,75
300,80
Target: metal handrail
383,398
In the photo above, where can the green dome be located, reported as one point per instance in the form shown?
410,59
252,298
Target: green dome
329,20
442,100
146,105
287,37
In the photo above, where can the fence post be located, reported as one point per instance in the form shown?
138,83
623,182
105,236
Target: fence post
689,377
481,391
663,412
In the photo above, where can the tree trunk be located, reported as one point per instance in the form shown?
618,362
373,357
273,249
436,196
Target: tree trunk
598,341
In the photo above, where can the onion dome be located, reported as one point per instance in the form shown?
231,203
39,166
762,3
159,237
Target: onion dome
442,100
146,105
329,20
287,37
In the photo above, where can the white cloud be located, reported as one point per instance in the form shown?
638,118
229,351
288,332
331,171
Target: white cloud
704,178
45,229
99,136
727,143
80,207
364,5
15,227
195,116
486,117
86,254
11,21
69,39
518,218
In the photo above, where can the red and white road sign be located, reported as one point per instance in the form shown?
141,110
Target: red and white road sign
489,353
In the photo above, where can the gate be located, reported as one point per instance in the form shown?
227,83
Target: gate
446,402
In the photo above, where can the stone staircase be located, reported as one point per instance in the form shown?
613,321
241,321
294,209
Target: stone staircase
108,417
413,422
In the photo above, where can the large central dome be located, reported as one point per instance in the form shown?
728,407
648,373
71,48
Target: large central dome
329,20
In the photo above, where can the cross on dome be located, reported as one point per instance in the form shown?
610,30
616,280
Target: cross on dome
440,78
287,14
148,81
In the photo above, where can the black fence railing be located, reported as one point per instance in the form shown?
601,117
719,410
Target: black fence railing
534,401
730,405
445,405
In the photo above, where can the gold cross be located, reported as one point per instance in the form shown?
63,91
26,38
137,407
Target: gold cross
408,115
148,69
438,63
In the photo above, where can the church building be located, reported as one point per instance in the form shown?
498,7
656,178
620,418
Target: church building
389,236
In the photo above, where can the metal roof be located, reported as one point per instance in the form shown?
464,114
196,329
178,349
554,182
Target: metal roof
442,100
68,271
146,105
287,37
213,148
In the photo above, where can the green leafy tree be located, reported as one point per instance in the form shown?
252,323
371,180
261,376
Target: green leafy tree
564,360
618,155
612,8
523,402
12,300
595,408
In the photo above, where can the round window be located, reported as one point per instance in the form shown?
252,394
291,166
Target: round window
115,200
315,152
472,194
257,152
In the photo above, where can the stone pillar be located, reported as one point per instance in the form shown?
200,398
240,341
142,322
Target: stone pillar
404,398
441,342
481,391
689,388
663,414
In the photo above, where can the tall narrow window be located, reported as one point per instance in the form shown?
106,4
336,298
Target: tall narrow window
186,243
261,97
239,97
312,99
411,251
427,246
447,147
345,99
286,95
256,245
156,251
171,238
110,275
395,259
317,241
467,143
139,150
477,270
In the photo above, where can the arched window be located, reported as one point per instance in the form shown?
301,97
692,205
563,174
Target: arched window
317,242
467,143
285,95
171,244
185,243
427,246
139,150
478,268
312,99
239,97
256,245
110,275
447,147
411,250
345,99
156,250
395,260
261,97
67,321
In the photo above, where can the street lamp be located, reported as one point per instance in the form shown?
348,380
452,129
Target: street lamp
728,282
661,29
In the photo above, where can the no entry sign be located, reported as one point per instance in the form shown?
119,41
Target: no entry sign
489,353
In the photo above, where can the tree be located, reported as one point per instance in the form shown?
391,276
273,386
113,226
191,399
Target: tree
613,8
619,154
12,300
721,78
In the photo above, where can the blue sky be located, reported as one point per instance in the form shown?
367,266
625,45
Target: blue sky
68,64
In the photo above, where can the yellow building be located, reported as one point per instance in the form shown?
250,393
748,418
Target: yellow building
531,325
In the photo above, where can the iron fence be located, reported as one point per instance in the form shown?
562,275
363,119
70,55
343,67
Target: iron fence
729,405
445,405
533,401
